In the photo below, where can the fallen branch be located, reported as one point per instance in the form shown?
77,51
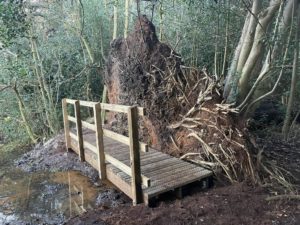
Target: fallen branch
282,197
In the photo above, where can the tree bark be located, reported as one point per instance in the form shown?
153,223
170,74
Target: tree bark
287,120
265,18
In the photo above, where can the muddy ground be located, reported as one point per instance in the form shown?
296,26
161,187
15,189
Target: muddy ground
236,204
223,204
51,156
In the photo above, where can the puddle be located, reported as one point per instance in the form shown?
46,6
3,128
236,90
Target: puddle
33,198
49,198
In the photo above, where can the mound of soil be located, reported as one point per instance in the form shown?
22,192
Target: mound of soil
235,205
52,156
184,105
143,71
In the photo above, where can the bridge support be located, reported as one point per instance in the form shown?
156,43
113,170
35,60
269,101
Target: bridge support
136,182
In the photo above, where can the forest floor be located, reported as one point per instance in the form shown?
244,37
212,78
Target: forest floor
223,204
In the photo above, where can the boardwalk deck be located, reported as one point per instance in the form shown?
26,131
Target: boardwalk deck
139,171
165,172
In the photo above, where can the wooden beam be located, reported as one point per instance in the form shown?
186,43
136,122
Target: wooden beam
121,108
126,169
90,147
136,184
121,184
72,119
79,130
123,139
88,103
109,107
89,125
99,141
104,100
70,101
66,124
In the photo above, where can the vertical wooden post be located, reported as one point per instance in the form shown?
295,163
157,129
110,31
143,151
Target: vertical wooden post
79,130
99,141
66,124
136,181
104,100
70,194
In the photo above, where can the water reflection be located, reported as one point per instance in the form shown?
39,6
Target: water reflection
44,197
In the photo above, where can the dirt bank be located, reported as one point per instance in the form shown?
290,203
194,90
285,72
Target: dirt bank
233,204
52,156
236,204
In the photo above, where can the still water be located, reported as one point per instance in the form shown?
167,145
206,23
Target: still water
44,198
47,197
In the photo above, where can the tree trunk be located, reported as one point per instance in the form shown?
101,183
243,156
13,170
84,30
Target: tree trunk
23,113
265,18
287,120
126,21
231,79
115,31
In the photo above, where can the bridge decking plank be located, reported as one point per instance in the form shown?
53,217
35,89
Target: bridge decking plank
165,172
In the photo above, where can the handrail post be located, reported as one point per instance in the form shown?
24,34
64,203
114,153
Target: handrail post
66,124
79,130
99,141
136,181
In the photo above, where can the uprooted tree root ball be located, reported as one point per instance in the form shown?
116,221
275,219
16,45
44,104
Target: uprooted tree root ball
186,116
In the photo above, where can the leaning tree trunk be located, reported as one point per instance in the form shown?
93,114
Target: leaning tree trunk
287,120
249,51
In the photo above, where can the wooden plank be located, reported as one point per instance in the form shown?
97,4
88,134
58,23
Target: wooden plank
123,139
90,146
126,156
149,161
169,170
158,165
173,174
70,101
89,125
73,136
99,141
126,169
91,160
104,100
187,179
120,183
79,130
66,124
115,108
136,184
74,148
121,108
177,177
87,103
72,119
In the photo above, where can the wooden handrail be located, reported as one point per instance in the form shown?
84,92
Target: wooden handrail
108,107
113,135
132,141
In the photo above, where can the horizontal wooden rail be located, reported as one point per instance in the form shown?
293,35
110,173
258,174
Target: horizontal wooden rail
123,139
126,169
108,107
118,164
118,137
133,112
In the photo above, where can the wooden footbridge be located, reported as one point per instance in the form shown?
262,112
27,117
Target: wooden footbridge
139,171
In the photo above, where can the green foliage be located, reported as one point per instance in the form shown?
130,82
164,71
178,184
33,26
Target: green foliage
12,21
69,33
